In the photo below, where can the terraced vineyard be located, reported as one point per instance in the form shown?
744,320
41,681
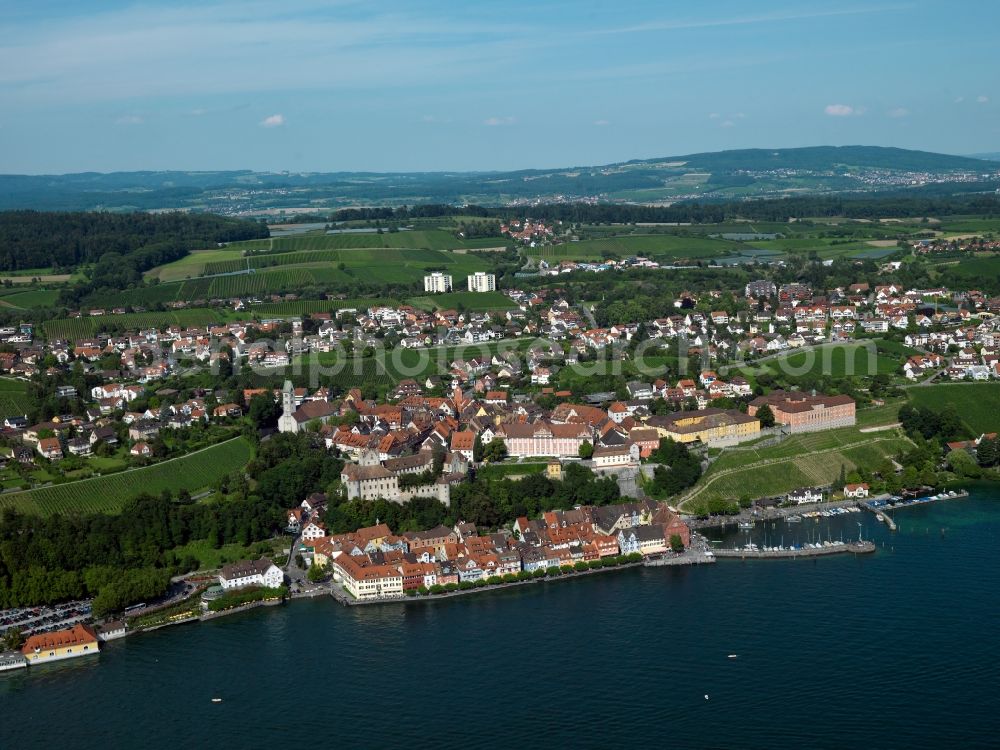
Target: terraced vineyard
307,243
357,371
109,494
432,239
13,398
978,404
299,308
356,255
799,461
82,328
468,300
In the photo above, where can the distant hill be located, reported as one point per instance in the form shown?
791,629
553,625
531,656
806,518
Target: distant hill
991,156
722,175
829,157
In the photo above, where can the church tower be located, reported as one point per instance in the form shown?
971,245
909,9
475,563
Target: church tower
286,422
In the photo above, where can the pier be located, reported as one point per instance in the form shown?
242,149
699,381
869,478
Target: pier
880,507
688,557
831,548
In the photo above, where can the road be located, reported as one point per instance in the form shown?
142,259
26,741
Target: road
588,315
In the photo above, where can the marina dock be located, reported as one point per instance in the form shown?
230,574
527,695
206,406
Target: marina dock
881,507
818,550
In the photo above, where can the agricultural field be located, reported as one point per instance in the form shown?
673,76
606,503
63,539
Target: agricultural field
981,272
13,398
191,265
656,246
798,461
835,360
969,225
978,404
875,416
227,276
826,247
82,328
429,239
465,300
29,299
109,494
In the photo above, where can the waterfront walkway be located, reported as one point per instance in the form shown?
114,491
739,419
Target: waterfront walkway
834,548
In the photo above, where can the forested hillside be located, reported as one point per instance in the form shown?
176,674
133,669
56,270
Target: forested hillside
32,239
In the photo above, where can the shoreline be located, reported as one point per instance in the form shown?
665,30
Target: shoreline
694,555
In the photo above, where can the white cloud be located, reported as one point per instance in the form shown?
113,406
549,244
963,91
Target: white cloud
899,112
132,51
495,121
601,123
714,116
959,99
766,18
982,99
129,120
274,121
839,110
728,124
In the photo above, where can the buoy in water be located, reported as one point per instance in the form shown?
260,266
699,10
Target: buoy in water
706,696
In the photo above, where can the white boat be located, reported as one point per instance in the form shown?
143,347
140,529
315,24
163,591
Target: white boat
746,524
216,700
733,656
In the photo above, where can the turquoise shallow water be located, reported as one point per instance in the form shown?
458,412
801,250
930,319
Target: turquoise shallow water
896,649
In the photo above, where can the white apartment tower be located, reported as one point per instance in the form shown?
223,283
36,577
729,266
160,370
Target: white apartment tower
437,282
482,282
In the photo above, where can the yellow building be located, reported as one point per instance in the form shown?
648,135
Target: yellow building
80,640
715,427
554,470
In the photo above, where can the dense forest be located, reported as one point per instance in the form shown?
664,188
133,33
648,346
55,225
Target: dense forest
63,241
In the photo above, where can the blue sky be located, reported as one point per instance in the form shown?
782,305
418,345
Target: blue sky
305,85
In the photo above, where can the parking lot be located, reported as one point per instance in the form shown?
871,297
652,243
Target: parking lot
41,619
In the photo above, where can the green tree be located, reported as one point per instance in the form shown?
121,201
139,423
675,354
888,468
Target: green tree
766,416
13,639
586,450
264,411
495,450
960,462
988,452
676,543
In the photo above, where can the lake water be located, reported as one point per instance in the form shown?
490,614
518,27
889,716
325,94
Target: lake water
896,649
